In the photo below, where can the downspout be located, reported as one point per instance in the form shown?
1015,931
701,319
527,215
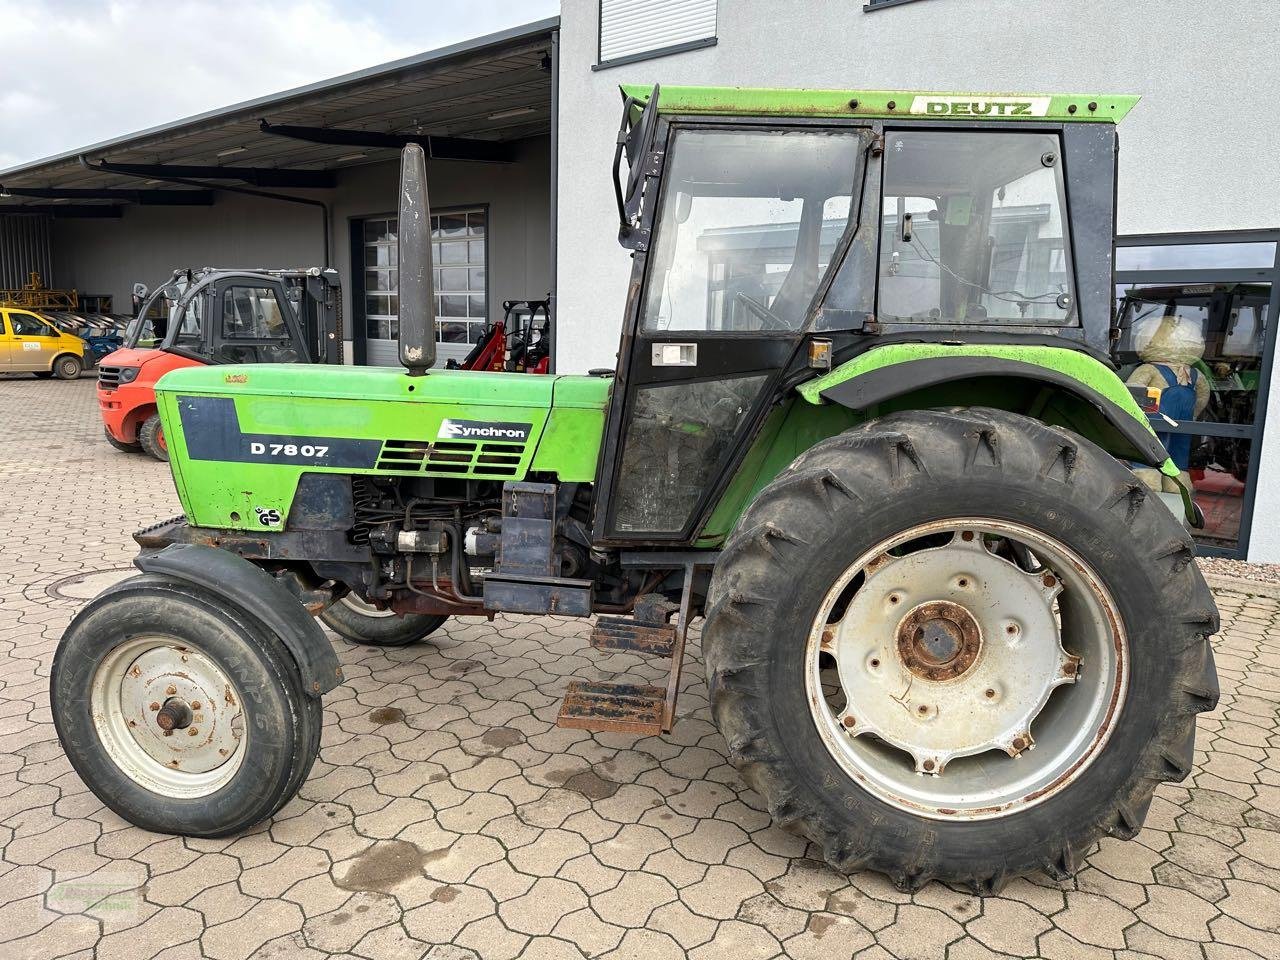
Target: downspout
104,166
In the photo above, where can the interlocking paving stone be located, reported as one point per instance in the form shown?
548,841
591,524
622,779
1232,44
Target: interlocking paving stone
460,823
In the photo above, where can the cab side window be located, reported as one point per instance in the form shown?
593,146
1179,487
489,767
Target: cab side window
29,325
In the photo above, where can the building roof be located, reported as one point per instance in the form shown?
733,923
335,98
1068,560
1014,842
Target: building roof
492,89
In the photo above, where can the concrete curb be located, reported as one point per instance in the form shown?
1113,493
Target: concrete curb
1252,588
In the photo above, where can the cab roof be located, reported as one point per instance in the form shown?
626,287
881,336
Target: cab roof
887,104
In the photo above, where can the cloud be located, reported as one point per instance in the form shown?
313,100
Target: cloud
75,72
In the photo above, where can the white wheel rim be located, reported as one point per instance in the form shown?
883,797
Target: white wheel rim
365,609
148,680
966,685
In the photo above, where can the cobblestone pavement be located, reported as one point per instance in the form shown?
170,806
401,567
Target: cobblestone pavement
448,816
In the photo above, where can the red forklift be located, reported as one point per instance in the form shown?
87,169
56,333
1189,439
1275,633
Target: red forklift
519,343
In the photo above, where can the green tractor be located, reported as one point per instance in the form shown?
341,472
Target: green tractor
865,422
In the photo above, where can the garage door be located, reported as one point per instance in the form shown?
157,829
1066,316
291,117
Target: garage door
459,249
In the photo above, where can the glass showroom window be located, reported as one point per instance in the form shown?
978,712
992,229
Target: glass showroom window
1200,312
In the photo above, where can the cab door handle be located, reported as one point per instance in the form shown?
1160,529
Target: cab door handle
674,355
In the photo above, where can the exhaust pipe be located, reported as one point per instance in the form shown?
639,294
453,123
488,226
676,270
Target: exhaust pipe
417,289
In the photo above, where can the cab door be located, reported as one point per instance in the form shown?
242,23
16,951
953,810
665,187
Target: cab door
745,225
33,342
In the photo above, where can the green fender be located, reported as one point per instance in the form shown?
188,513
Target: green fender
914,375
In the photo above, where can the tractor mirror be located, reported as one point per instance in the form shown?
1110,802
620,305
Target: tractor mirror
417,291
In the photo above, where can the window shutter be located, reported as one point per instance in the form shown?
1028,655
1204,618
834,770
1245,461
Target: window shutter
631,27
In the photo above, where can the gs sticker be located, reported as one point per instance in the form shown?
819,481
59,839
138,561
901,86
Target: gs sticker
267,517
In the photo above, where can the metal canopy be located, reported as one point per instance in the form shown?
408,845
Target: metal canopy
471,99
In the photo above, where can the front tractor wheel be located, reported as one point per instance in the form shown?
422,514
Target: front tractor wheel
361,622
181,712
993,646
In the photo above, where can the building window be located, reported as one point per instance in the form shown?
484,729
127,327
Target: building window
1201,310
632,30
459,254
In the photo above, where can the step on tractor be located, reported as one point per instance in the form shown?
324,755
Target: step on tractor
214,316
865,422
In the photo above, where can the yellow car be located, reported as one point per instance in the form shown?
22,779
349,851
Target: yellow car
31,344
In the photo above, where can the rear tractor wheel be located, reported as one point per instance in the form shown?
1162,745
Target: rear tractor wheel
181,712
361,622
993,646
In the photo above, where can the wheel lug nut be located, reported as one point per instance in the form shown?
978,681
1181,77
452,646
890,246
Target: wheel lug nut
154,706
195,704
192,731
170,690
991,694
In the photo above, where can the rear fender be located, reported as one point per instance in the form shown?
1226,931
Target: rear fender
889,373
255,591
1065,387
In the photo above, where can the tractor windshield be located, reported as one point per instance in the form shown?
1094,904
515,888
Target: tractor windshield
748,225
973,230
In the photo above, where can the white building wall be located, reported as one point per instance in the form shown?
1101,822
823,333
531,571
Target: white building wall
1198,153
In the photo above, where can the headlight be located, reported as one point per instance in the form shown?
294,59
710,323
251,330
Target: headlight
128,374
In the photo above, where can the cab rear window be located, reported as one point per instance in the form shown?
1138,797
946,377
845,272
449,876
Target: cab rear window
973,231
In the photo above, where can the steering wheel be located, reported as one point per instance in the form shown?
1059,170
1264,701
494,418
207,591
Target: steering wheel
768,319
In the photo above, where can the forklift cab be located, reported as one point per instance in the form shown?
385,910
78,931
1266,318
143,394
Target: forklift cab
278,316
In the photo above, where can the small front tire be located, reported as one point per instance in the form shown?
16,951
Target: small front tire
68,367
360,622
151,437
120,444
180,711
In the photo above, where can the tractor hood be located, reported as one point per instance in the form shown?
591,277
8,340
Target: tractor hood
240,437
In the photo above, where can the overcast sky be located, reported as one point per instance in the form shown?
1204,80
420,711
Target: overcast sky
74,72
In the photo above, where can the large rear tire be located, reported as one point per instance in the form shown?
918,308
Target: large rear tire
182,713
360,622
892,639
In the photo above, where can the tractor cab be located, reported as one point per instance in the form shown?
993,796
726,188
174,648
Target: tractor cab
779,236
214,316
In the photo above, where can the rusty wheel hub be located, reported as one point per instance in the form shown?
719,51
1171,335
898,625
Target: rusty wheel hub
949,650
168,716
939,641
